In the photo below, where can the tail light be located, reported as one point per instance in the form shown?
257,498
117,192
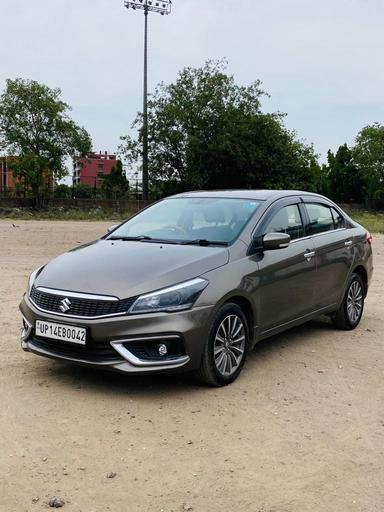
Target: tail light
369,238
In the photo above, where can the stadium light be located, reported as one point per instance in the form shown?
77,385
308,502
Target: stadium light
162,7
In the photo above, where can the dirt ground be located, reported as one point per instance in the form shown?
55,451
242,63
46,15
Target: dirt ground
301,430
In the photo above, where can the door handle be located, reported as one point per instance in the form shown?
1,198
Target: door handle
349,243
309,255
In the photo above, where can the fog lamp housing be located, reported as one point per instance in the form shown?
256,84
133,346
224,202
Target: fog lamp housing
26,330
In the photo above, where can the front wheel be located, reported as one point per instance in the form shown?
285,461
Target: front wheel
225,351
351,309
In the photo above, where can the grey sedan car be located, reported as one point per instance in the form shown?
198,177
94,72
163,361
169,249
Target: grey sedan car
193,282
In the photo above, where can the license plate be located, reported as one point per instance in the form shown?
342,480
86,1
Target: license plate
61,332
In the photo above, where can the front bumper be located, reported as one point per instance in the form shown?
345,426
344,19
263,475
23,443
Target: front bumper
116,343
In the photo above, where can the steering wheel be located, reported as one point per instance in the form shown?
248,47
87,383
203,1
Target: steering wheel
178,229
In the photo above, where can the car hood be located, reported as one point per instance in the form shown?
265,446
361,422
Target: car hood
126,269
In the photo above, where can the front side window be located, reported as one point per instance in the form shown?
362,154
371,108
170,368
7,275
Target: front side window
287,220
320,218
186,219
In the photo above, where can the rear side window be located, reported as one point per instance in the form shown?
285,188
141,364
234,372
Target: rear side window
287,220
320,218
338,219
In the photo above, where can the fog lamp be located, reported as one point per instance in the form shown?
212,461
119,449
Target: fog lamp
163,349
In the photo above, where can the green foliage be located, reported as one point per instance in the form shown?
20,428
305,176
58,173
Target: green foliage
36,128
345,182
63,192
368,155
356,175
4,193
207,132
82,191
115,184
373,221
318,178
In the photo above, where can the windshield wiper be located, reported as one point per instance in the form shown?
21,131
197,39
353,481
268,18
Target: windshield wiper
130,238
143,238
204,243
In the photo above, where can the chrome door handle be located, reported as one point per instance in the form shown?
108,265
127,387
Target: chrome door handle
309,255
349,243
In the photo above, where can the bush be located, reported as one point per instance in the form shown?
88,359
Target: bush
63,192
82,192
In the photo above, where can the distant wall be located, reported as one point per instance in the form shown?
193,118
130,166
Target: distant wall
123,205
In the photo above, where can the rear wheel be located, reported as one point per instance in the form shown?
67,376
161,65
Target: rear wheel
351,309
225,351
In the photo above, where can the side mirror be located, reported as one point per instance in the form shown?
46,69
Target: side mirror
112,228
274,241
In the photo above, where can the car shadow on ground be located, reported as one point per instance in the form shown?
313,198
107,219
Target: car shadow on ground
111,383
296,336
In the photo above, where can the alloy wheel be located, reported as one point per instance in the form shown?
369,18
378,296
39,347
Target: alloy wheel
229,345
355,301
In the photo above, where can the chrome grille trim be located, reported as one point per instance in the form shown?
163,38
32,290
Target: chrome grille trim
124,351
48,301
76,295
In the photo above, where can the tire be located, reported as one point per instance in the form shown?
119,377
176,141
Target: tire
349,314
228,338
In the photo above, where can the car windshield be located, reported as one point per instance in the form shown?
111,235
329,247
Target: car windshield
186,220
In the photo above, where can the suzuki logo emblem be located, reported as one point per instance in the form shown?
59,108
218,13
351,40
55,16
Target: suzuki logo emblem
65,305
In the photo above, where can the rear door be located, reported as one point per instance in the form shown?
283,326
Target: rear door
287,277
333,243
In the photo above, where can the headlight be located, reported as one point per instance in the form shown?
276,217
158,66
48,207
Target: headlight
175,298
33,276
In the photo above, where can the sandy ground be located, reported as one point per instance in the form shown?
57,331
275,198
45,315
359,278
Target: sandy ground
301,430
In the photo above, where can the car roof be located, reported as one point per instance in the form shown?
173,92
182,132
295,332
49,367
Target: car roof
260,195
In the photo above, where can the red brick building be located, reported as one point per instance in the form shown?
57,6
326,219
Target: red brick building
16,186
7,181
91,170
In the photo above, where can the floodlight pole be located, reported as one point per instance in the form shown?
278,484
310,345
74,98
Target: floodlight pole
161,7
145,110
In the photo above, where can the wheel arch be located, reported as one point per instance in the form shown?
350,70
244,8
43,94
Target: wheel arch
246,306
361,271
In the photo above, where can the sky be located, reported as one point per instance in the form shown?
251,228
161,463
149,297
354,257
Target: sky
320,60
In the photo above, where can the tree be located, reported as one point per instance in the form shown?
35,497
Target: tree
205,131
345,182
36,128
83,191
63,191
368,155
115,184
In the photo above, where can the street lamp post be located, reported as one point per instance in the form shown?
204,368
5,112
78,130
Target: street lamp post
161,7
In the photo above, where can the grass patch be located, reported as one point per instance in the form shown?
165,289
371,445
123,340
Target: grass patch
96,214
373,221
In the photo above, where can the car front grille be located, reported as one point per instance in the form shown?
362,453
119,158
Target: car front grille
92,352
79,307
